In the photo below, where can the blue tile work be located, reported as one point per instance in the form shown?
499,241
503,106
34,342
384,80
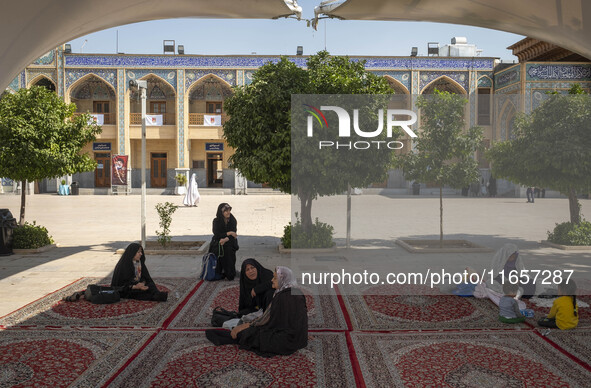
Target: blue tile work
121,109
187,62
23,80
535,92
426,77
34,73
507,105
515,88
558,72
181,117
472,97
248,77
47,59
401,76
107,75
484,81
240,77
14,85
193,76
508,77
60,72
167,75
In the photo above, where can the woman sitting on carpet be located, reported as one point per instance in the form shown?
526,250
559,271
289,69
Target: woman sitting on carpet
256,287
224,242
283,328
132,278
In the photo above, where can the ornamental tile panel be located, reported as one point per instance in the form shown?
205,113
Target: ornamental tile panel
187,62
49,73
15,85
558,72
401,76
109,76
485,82
47,59
507,78
181,117
536,91
168,75
60,73
121,109
193,76
426,77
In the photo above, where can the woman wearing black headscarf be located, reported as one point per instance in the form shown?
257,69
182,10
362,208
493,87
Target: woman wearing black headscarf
132,278
282,329
224,242
256,287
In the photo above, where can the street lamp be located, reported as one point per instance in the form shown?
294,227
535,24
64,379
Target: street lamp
142,86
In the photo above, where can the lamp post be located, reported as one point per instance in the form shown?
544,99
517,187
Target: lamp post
142,86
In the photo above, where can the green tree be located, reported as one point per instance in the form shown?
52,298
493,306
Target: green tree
444,150
260,127
551,148
39,138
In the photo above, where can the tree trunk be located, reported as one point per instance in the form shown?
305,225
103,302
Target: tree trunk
23,198
441,216
306,209
574,207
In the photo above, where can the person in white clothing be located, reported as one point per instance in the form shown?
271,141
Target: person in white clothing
192,197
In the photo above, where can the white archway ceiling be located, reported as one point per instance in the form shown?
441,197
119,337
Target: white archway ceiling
566,23
30,28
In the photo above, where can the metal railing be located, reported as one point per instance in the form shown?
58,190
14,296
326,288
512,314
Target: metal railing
167,118
109,118
198,118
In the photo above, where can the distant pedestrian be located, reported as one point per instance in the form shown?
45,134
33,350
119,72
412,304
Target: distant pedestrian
530,194
192,197
492,187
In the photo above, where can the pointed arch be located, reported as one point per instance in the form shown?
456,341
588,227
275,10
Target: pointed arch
483,79
452,85
198,87
506,119
43,80
168,86
396,85
84,79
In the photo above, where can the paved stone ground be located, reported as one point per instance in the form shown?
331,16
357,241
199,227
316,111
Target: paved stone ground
89,229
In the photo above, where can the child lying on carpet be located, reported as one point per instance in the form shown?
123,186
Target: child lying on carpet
564,313
508,308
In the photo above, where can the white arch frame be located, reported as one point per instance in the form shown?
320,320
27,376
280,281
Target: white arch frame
453,82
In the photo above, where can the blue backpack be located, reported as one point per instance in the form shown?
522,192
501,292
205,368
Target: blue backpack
208,266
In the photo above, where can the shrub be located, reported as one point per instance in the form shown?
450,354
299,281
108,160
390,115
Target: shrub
165,211
181,179
31,236
295,237
571,234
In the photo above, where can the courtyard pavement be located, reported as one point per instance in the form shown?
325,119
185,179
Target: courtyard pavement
89,229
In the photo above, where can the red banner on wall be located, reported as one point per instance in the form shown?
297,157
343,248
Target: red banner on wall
119,170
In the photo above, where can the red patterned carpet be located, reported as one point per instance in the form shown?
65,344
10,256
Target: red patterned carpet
324,311
463,359
379,308
52,311
181,358
56,358
376,339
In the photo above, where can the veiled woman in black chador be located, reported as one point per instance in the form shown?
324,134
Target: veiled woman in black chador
132,278
256,287
282,329
224,242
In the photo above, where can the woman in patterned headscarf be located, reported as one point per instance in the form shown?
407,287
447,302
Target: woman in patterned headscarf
282,329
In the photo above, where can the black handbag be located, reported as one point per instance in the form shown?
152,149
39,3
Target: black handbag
101,294
221,315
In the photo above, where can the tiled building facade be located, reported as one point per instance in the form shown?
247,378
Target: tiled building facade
186,91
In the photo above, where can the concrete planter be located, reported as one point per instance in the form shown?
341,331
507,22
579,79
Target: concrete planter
304,251
584,248
33,251
449,246
182,248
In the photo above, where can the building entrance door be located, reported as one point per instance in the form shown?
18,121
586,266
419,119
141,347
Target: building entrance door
214,170
102,174
158,172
